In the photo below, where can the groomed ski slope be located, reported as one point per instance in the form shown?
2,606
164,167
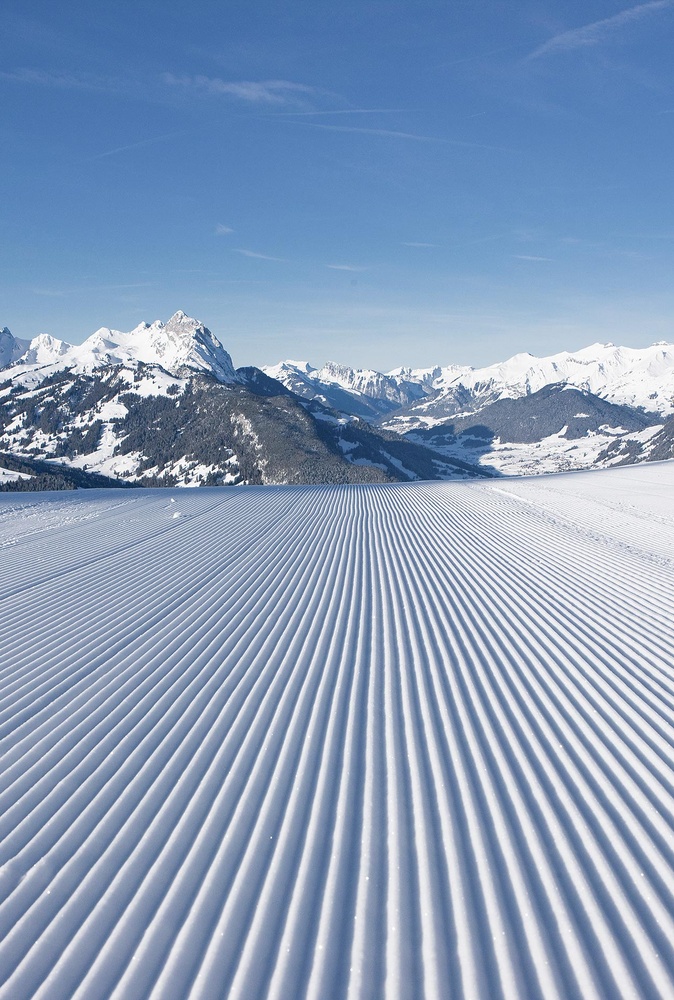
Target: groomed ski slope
408,741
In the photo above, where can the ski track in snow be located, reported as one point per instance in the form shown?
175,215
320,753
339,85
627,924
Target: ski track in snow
409,741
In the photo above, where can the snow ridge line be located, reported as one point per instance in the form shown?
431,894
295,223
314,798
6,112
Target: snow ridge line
347,742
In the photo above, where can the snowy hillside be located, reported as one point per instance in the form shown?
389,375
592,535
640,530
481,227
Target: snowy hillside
138,424
436,406
555,429
372,742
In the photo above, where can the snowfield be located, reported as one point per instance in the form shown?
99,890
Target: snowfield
409,742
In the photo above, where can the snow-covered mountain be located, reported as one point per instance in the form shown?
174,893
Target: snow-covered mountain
11,348
179,346
397,391
636,377
514,417
164,405
623,398
141,425
361,392
413,397
430,379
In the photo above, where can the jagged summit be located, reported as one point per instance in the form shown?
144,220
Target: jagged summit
362,391
10,347
180,346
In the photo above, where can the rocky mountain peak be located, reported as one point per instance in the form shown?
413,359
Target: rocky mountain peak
180,346
11,347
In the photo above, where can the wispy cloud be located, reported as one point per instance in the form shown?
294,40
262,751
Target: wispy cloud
344,111
608,248
221,230
261,93
390,133
410,244
256,256
345,267
61,81
393,134
137,145
274,92
125,86
51,293
78,289
597,31
527,256
481,239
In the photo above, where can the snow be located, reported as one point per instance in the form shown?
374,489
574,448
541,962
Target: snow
555,453
430,378
191,473
403,741
359,380
9,476
243,427
104,462
347,446
284,368
112,410
399,465
157,383
328,418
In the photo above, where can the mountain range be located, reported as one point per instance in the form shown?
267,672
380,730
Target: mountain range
164,405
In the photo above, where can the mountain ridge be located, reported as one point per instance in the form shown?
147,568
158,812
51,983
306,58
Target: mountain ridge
83,404
637,377
182,343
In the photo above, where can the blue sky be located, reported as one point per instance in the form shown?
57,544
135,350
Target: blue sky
378,183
